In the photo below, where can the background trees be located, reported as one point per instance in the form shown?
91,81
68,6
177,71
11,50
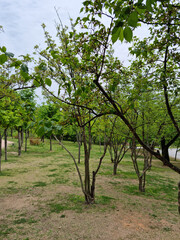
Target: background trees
92,83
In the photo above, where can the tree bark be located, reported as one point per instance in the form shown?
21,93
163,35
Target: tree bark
5,143
50,142
22,136
115,167
11,132
179,197
79,141
26,137
0,150
19,142
142,183
87,148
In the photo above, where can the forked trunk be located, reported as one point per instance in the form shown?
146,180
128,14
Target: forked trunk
142,182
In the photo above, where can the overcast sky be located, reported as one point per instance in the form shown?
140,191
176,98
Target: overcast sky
22,19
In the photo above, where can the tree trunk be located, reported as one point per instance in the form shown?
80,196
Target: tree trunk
22,137
0,150
142,183
26,137
165,148
88,197
5,143
42,139
19,142
179,197
50,142
79,141
11,132
79,153
110,152
115,167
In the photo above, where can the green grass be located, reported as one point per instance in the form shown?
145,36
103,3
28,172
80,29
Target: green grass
39,184
24,220
49,183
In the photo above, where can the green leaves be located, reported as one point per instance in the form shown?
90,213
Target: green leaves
128,34
115,34
119,33
3,49
5,55
24,68
9,54
133,19
148,5
48,81
3,58
36,83
16,64
42,66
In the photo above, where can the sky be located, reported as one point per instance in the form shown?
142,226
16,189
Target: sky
22,19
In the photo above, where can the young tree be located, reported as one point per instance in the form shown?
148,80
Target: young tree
29,105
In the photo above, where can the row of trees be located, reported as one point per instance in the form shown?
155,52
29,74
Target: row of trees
92,85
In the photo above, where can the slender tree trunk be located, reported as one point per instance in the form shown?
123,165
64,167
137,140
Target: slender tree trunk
142,183
42,139
50,142
22,137
88,197
79,152
12,132
111,152
165,149
115,167
26,138
79,141
0,150
5,143
179,197
19,142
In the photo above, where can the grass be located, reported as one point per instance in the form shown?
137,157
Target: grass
45,186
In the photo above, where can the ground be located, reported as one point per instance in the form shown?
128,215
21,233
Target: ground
41,199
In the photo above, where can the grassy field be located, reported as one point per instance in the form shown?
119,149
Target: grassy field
40,198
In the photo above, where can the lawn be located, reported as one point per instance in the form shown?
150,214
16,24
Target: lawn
41,198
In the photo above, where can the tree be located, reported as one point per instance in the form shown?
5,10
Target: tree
29,105
10,116
91,80
48,118
167,76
